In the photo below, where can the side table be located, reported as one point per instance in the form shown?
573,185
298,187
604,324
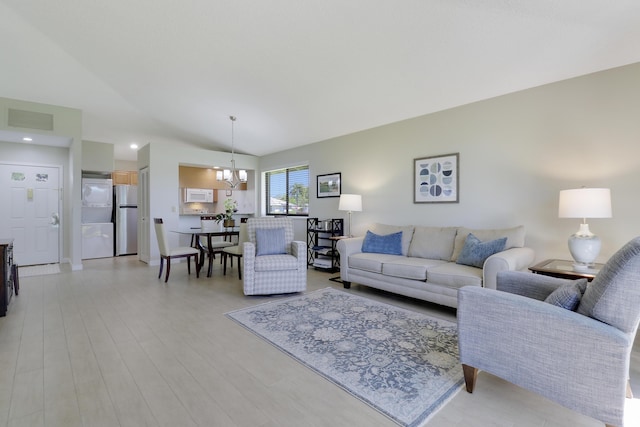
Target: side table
564,269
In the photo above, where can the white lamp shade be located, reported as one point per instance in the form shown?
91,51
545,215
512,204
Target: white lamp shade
585,203
350,202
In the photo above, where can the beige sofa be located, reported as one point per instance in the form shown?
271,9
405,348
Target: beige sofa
427,268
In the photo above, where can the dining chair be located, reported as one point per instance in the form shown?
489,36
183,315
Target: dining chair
167,253
212,245
236,251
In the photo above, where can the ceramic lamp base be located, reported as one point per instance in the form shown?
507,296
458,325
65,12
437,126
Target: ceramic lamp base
584,247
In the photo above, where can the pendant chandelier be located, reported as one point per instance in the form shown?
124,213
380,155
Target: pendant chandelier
233,180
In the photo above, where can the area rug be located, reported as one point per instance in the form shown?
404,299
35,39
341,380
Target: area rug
402,363
38,270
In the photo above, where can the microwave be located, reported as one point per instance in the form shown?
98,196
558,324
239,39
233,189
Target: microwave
200,195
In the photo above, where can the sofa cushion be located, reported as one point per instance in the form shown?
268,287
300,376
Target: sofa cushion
515,238
454,275
568,295
409,267
474,252
388,244
432,242
370,261
276,262
407,233
270,241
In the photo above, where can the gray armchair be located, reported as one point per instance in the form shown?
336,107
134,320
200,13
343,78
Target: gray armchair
578,359
273,262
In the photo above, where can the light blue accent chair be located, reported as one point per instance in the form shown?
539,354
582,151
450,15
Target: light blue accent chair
578,359
274,273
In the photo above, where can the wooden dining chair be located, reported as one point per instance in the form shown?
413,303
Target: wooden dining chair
212,245
236,251
167,253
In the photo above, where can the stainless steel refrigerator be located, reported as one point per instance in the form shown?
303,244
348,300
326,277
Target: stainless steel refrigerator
125,213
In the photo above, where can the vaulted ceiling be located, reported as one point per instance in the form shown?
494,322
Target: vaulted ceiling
293,72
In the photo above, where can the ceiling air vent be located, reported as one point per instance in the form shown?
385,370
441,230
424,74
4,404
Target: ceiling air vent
30,119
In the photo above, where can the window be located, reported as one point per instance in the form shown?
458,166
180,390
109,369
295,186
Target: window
288,191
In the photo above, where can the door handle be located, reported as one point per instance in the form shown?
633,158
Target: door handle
55,219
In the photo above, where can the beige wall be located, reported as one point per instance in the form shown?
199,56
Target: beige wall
516,153
97,156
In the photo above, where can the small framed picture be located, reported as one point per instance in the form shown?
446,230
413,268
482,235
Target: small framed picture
329,185
436,179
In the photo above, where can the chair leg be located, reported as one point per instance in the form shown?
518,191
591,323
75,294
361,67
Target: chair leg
239,267
189,265
224,263
166,279
161,266
470,375
197,266
211,258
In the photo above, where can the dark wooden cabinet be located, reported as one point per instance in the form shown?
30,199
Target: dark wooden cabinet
7,274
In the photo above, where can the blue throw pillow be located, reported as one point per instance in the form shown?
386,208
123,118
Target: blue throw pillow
388,244
568,295
474,252
270,241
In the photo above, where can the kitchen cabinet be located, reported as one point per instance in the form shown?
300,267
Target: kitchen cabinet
124,177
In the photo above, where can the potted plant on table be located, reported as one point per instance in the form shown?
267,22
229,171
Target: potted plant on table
230,207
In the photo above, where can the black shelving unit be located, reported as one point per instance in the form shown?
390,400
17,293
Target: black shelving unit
321,249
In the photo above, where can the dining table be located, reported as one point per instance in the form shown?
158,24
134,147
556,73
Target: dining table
209,232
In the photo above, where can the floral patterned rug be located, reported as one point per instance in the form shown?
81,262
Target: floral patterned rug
402,363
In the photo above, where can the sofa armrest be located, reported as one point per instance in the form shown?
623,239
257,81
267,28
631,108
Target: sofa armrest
299,250
347,247
572,359
513,259
530,285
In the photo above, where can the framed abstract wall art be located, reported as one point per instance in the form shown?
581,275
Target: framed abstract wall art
436,179
329,185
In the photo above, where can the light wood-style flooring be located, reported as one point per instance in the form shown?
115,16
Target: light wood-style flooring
112,345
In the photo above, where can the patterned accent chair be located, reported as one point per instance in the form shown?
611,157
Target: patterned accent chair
579,359
273,265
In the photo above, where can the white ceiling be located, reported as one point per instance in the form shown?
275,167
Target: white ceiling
293,71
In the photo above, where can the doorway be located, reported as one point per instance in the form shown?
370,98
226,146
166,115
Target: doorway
30,212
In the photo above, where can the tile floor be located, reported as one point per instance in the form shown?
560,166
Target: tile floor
112,345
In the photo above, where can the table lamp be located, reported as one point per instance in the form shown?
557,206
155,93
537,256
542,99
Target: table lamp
584,203
350,203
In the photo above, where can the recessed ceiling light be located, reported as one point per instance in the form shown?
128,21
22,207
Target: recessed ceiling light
134,146
27,139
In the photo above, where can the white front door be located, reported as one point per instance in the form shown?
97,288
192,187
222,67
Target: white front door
29,212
